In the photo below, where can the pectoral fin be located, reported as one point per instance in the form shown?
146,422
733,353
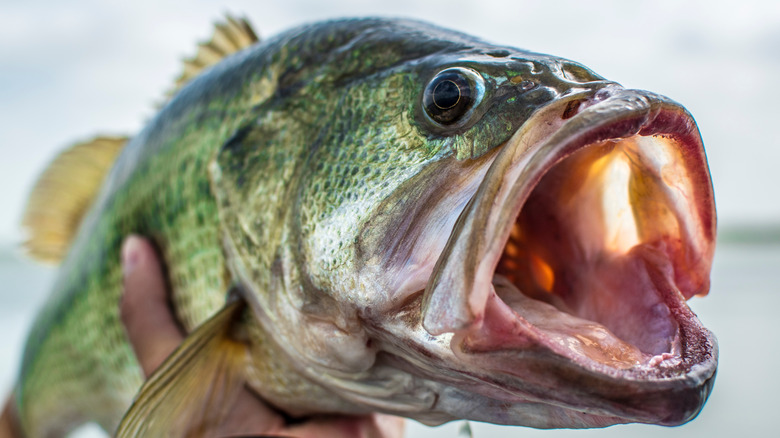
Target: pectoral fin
192,391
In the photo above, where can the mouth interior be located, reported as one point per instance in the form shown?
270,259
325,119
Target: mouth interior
584,255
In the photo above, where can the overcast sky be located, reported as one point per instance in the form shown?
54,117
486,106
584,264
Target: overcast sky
69,70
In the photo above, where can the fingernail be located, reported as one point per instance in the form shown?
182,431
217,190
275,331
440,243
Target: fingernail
131,254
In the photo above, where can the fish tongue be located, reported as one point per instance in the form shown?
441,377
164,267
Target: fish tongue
514,321
621,292
621,320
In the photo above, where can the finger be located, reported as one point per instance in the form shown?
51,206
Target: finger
387,426
9,420
150,325
367,426
250,416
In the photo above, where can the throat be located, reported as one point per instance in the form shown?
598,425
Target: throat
618,314
575,265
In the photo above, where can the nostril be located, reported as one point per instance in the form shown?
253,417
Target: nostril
524,84
499,53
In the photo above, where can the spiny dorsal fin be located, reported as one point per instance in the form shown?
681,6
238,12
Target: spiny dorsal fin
192,392
229,37
63,193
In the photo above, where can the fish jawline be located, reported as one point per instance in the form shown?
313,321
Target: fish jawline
506,329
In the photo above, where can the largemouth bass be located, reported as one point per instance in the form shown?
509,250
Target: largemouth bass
401,218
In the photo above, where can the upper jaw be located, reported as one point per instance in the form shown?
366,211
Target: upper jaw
524,350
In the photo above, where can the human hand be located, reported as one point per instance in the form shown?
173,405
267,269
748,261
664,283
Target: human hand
154,334
9,421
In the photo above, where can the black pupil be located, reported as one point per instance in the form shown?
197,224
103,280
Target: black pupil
449,96
446,94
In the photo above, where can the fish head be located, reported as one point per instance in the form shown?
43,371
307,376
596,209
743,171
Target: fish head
498,235
393,169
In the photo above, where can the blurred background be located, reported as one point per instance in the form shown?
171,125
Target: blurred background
69,70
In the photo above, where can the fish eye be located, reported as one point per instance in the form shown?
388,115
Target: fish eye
451,95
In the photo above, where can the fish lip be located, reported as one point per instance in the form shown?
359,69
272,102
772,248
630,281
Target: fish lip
671,397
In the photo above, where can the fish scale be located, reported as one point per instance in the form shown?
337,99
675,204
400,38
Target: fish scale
102,357
76,346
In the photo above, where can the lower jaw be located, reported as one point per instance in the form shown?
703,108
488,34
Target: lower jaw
603,329
530,351
582,382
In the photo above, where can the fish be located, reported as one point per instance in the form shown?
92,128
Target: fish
382,215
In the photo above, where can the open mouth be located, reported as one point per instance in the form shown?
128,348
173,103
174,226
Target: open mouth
586,258
583,242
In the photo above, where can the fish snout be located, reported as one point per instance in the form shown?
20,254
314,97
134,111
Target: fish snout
591,228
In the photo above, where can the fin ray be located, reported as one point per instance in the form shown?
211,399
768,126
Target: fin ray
191,392
229,37
63,194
